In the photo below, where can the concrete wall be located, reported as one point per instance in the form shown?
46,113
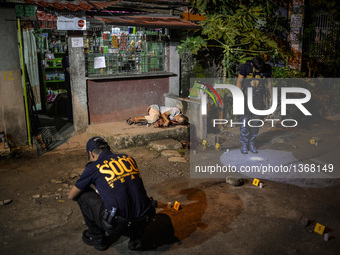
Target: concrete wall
12,109
192,109
118,99
78,85
174,67
174,63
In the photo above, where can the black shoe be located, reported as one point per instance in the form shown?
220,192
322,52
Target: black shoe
98,244
135,245
244,149
252,148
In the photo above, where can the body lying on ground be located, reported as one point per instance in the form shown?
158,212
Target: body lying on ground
161,116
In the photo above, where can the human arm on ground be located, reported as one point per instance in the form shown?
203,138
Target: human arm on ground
165,117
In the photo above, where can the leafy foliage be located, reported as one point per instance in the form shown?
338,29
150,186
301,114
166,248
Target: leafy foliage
192,44
238,31
286,72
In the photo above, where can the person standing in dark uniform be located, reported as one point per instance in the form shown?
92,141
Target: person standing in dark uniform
119,205
66,68
252,75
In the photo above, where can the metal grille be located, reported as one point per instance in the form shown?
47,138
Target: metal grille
117,63
47,139
325,36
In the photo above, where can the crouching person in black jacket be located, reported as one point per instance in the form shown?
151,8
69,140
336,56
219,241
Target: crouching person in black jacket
119,204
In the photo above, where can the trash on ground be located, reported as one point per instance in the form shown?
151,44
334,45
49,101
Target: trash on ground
234,181
326,237
5,202
303,221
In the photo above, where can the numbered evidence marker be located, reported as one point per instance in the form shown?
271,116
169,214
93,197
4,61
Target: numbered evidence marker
217,146
256,182
314,141
319,228
177,206
204,143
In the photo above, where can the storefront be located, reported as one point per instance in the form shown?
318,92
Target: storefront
120,61
128,64
126,58
52,49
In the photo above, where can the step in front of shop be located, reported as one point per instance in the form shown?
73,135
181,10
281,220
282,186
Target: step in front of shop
119,135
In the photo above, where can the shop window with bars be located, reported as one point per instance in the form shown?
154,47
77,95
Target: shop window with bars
125,51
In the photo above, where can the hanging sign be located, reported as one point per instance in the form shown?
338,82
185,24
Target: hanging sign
77,42
71,23
99,62
46,20
296,20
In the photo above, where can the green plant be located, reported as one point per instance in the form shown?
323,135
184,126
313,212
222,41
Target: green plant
286,72
238,30
181,151
191,44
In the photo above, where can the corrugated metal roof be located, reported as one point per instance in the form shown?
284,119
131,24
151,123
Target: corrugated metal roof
75,6
149,21
133,20
103,5
58,5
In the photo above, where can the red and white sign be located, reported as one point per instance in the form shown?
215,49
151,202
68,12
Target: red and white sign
71,23
81,23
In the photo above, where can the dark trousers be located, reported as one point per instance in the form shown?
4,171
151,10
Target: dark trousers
248,134
92,208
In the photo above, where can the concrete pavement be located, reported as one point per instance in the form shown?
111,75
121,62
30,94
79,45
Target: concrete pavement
120,135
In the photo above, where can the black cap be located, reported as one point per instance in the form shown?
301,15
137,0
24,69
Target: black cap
94,143
258,63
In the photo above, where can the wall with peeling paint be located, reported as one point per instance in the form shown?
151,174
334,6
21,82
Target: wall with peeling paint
12,109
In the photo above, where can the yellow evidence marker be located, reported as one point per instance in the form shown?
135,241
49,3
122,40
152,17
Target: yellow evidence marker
319,228
177,206
217,146
314,141
204,143
256,182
